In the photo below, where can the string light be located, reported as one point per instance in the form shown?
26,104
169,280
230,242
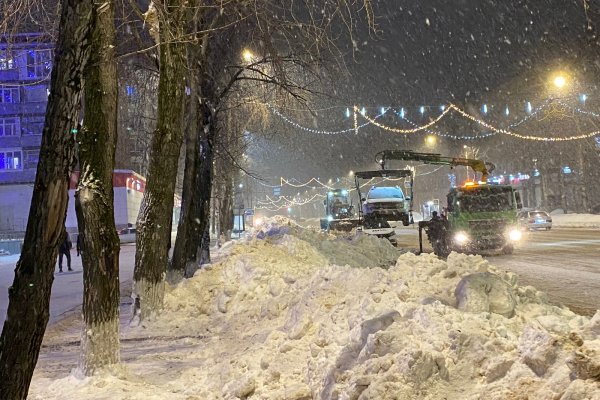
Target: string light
518,135
399,130
316,131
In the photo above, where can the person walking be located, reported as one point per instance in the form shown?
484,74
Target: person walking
79,245
65,249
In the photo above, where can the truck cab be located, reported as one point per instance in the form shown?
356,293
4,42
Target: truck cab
483,217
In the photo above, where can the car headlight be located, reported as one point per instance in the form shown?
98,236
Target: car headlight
515,235
330,218
258,222
461,238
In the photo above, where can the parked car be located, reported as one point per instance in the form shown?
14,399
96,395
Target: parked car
127,235
535,220
386,203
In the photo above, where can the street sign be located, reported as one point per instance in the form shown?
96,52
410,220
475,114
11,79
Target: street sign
249,211
277,191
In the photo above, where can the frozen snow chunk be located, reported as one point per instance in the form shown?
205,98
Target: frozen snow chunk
497,368
594,324
538,350
585,361
485,292
298,391
419,365
240,388
582,390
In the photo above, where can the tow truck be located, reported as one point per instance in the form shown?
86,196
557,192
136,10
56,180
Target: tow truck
339,212
479,217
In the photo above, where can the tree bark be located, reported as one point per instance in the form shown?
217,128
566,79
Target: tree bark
29,295
94,200
195,207
188,227
153,224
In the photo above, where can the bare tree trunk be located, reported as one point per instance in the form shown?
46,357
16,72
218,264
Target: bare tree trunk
29,295
188,227
94,200
153,224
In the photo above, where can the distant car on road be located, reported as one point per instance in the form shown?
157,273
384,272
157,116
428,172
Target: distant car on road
127,235
535,220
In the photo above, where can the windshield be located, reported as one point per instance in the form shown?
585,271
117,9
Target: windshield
538,214
385,193
487,198
339,200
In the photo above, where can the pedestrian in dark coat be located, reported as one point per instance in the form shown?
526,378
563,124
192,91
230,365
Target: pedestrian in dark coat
79,244
65,249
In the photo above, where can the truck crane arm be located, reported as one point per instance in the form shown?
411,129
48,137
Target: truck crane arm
433,158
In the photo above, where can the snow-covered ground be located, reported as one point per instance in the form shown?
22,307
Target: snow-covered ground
562,220
291,313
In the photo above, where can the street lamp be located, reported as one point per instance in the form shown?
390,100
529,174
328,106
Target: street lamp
247,55
560,81
430,140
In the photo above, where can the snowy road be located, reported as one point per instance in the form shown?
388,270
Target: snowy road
564,263
67,289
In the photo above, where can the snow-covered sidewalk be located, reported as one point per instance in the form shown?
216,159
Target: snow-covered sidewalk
278,319
561,220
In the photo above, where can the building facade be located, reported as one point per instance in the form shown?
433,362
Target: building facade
25,66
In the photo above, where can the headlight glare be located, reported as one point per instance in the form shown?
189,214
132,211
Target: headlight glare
515,235
461,237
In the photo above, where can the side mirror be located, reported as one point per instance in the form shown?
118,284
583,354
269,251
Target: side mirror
363,199
407,198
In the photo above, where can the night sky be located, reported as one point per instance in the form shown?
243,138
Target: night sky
430,53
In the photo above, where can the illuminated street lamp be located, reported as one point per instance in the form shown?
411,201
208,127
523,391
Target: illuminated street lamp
560,81
247,55
430,140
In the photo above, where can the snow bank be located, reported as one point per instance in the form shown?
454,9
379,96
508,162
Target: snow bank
277,319
561,220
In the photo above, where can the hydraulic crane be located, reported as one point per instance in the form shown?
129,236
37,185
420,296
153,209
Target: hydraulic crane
485,168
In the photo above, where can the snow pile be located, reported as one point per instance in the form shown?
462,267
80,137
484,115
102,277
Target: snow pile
277,320
561,220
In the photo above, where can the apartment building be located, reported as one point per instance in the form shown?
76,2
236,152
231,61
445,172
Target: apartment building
25,66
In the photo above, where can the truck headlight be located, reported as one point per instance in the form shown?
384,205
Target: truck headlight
330,218
461,237
515,235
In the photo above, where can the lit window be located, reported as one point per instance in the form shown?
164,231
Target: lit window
39,63
11,160
7,61
130,90
9,95
9,126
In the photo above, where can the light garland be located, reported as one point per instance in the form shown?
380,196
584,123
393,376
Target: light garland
319,131
399,130
485,135
520,136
